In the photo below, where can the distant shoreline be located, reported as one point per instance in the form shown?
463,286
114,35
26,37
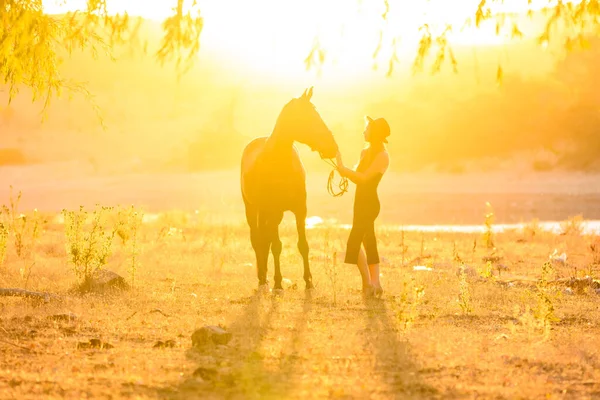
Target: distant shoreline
407,199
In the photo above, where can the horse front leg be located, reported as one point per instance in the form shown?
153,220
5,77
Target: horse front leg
255,236
303,246
263,243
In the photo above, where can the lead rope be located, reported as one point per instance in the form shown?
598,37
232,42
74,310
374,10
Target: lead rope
342,184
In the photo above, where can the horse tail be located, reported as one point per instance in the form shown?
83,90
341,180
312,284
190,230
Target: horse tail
248,180
251,213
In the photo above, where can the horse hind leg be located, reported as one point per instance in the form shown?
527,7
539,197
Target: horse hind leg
252,219
276,247
259,244
267,226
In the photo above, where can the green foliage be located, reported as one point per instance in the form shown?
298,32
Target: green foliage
88,245
406,305
4,233
593,266
544,311
127,226
537,320
181,39
24,228
486,270
434,45
32,43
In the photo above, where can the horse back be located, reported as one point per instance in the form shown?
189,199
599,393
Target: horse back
274,173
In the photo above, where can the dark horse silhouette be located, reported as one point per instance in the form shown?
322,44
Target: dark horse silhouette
273,181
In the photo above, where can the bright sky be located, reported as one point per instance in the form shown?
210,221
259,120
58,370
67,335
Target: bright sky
274,36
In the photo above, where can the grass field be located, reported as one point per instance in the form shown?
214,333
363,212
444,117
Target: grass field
498,331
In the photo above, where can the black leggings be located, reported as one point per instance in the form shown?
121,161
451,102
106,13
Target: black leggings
363,231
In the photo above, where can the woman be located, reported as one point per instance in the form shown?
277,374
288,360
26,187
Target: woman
374,161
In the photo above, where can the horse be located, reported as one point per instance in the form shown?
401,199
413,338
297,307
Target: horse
273,181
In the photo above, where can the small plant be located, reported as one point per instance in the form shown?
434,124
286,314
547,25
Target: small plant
88,249
572,226
14,217
486,270
407,305
136,223
544,311
526,322
25,271
488,235
592,267
538,319
532,228
464,293
548,272
25,230
403,246
4,233
331,267
127,227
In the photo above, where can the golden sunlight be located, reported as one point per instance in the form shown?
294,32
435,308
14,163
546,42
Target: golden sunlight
272,38
188,211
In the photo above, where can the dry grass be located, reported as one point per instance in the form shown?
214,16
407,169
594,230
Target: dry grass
300,345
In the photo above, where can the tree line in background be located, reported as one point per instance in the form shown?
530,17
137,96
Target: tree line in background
556,116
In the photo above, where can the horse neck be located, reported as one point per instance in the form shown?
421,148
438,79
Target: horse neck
281,140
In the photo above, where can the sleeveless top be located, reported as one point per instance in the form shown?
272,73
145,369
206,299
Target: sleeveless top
366,200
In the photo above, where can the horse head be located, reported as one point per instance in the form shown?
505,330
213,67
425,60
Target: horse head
303,121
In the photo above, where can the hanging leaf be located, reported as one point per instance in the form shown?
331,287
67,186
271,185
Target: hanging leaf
516,32
499,75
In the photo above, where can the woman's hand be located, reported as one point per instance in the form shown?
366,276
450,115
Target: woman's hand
338,158
340,165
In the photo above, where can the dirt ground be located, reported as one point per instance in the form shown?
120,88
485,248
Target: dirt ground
436,333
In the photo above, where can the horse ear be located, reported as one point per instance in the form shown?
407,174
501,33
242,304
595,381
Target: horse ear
309,94
303,94
368,119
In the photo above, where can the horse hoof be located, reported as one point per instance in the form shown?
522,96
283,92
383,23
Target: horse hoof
263,289
278,292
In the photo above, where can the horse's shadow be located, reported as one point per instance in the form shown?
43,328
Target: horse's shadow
393,362
245,372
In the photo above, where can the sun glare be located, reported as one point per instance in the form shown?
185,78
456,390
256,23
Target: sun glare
272,37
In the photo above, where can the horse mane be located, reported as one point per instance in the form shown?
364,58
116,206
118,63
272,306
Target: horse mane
285,111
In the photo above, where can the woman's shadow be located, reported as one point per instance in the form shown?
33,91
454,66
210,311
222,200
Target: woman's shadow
393,362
